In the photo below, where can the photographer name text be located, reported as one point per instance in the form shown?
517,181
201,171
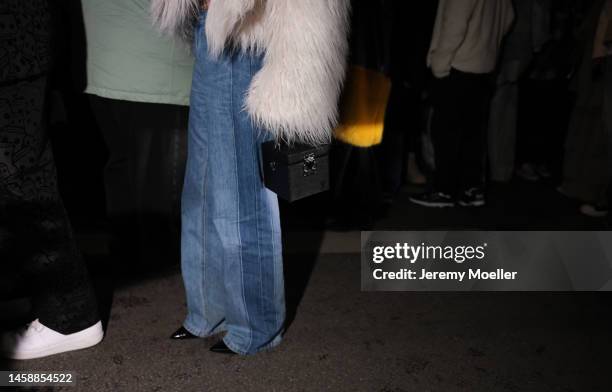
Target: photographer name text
424,274
411,254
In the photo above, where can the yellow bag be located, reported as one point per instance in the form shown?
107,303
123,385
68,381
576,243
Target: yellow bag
363,107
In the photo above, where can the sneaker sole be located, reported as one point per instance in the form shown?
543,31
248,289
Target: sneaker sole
86,339
433,205
472,204
594,213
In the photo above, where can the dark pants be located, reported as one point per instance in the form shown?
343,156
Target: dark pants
402,134
461,103
607,116
37,246
143,177
545,107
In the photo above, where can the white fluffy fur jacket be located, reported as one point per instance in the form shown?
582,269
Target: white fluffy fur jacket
295,94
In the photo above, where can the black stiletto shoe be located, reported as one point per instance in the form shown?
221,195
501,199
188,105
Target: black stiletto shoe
221,348
182,334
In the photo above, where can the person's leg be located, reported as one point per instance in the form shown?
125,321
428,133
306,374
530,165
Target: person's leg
201,261
446,133
41,236
602,204
504,117
400,136
157,154
549,126
143,176
586,147
474,107
254,289
391,150
539,151
607,115
232,257
502,132
533,120
413,143
561,109
113,118
163,130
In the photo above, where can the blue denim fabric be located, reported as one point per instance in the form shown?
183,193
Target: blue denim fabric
231,238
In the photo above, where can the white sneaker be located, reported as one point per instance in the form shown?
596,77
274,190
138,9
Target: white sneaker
37,341
594,211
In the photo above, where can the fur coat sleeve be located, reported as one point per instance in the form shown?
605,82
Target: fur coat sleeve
294,96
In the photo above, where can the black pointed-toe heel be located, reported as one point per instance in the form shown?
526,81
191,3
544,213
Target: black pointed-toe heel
221,348
182,334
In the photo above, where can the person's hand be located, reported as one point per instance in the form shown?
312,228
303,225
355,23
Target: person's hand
440,68
440,73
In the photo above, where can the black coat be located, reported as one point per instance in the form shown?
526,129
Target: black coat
412,23
25,49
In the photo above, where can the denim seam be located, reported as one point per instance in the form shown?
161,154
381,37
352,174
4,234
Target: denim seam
274,255
232,105
258,201
204,234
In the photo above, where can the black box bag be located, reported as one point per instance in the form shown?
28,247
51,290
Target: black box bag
297,171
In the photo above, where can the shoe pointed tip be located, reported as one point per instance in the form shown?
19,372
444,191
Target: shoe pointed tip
221,348
182,334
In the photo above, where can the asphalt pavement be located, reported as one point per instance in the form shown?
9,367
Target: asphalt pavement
340,338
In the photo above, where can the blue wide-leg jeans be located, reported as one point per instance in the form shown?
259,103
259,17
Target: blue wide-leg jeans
231,239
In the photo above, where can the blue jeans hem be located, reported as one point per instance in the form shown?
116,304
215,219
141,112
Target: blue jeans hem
268,347
199,332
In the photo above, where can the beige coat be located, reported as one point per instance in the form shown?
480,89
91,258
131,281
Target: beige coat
468,35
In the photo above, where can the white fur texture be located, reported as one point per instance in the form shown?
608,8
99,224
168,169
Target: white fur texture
175,17
223,21
294,96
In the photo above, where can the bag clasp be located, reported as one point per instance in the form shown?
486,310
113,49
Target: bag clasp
310,165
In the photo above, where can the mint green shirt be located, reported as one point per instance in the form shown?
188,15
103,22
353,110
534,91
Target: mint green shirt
128,60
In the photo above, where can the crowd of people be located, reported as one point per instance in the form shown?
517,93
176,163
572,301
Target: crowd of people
507,89
482,90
